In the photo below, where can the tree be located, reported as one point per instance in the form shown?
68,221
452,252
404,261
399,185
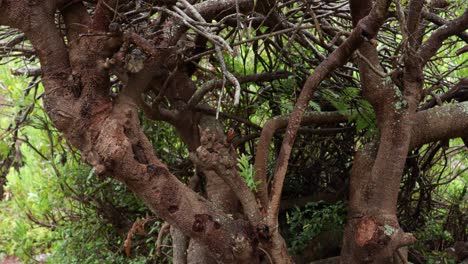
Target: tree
104,61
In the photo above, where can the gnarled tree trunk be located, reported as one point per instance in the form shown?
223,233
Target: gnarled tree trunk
229,224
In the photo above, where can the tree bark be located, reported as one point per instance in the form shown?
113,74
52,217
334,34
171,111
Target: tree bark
228,225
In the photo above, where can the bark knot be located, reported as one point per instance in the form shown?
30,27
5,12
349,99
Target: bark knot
201,222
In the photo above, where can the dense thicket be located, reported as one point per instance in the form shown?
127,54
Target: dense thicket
234,131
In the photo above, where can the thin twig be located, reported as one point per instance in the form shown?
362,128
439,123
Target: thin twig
372,66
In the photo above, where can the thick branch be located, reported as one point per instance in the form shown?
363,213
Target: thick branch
440,123
369,64
226,169
263,145
76,19
395,125
435,41
413,24
441,22
114,151
28,72
111,140
453,92
213,9
103,15
367,28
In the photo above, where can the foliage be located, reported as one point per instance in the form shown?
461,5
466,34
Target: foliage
247,172
312,220
54,204
438,203
348,101
57,205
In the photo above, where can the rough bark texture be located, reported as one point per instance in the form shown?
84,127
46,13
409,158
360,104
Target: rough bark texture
108,133
372,233
230,224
